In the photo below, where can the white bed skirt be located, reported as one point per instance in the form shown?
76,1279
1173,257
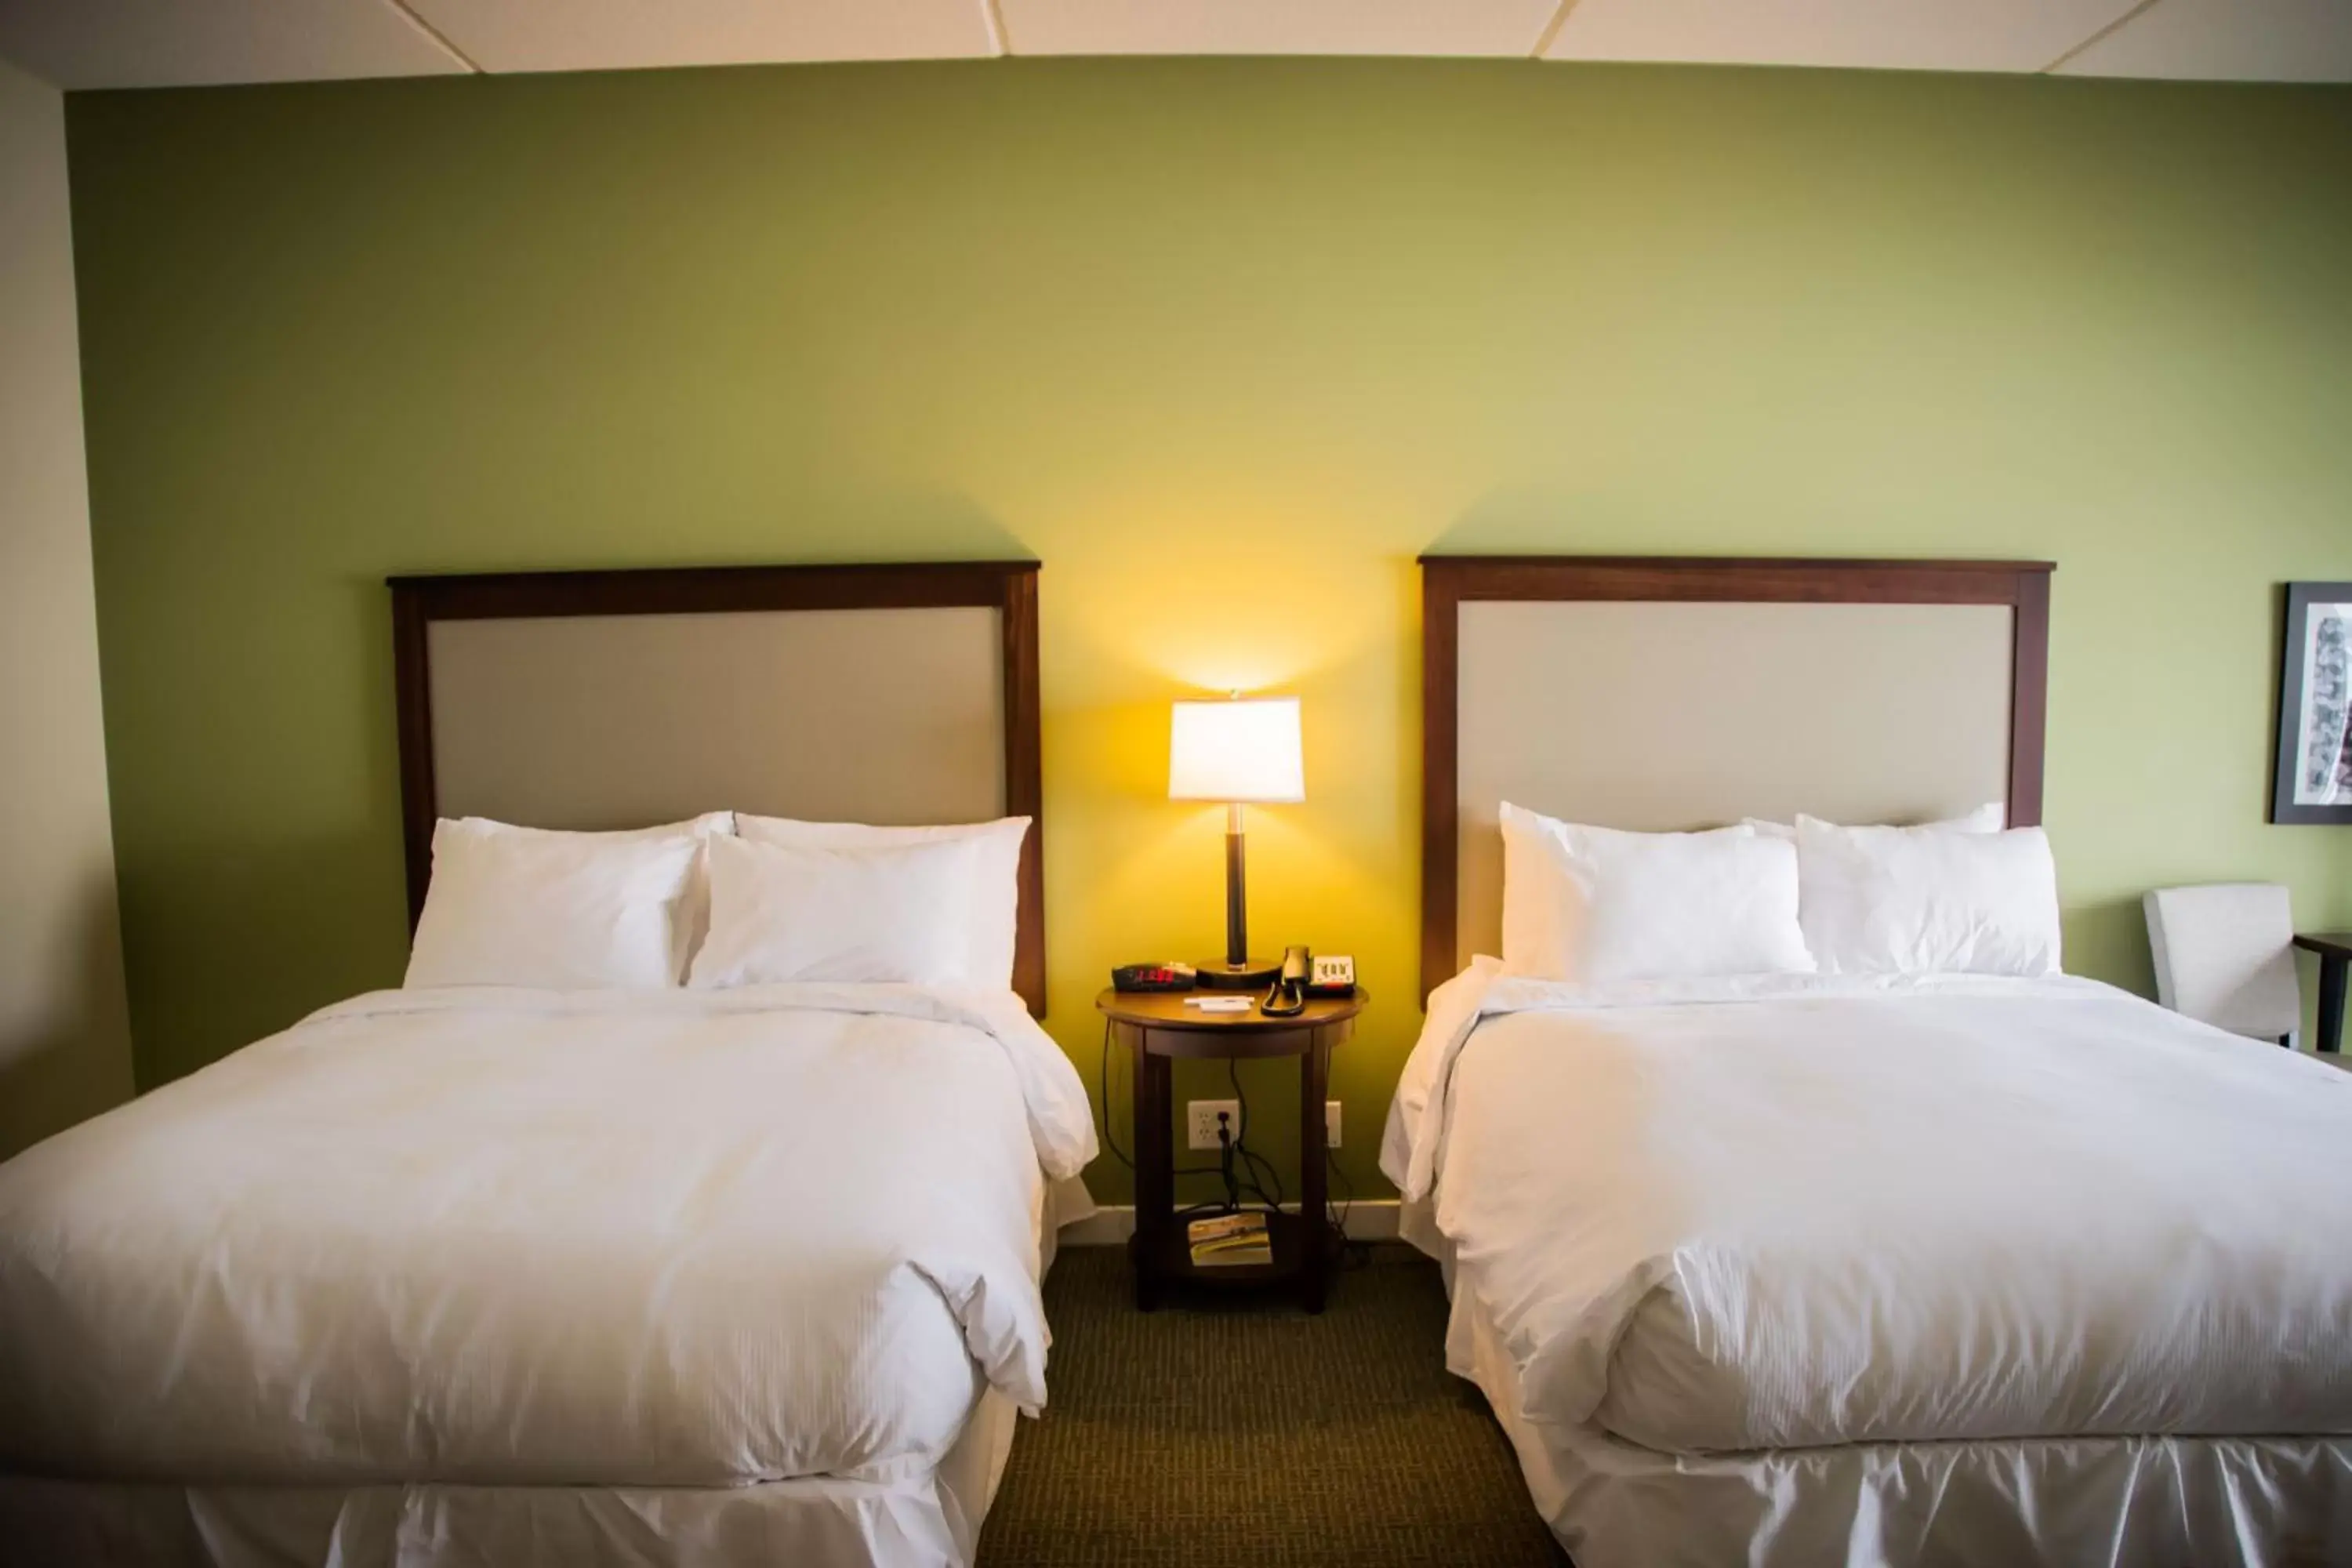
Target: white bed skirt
2080,1503
923,1523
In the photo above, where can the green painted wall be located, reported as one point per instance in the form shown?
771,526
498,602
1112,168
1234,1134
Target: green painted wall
1224,344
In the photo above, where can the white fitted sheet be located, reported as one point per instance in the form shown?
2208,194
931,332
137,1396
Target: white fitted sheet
1798,1212
437,1243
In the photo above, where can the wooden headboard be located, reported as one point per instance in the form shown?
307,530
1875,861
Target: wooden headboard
899,694
1661,693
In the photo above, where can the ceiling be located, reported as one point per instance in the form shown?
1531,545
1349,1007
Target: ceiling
80,43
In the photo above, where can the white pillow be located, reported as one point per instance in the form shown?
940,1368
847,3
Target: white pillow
566,911
781,913
1595,905
1990,817
994,913
709,823
1914,901
693,909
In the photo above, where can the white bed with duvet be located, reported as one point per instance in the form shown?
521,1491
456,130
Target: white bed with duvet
1869,1237
435,1274
601,1267
1798,1208
1808,1269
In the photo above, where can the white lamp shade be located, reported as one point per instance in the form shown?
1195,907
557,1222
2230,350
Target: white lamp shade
1243,750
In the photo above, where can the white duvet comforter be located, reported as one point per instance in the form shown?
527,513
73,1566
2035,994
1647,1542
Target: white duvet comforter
667,1238
1787,1212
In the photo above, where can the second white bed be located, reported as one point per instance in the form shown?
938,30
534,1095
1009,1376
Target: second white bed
1841,1228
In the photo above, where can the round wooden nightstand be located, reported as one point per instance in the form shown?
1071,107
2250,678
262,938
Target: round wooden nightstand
1157,1028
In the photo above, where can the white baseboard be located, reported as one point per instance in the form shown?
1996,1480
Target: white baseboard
1369,1219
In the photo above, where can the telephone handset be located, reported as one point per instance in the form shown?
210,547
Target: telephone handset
1287,997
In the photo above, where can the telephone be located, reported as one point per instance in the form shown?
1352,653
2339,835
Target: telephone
1287,997
1334,975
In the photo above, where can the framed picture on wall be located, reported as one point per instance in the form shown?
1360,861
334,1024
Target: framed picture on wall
2313,779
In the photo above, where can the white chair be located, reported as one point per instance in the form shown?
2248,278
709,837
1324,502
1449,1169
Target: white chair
2225,956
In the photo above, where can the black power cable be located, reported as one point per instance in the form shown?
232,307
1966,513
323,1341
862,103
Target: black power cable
1261,1170
1103,1082
1352,1253
1109,1140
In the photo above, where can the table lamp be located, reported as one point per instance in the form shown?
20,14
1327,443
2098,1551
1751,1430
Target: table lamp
1242,751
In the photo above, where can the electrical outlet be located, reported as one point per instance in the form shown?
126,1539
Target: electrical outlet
1331,1124
1201,1121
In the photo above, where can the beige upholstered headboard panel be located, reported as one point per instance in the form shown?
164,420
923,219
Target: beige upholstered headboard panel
596,722
1667,695
887,694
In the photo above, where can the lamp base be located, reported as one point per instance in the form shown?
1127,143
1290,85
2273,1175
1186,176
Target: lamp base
1251,974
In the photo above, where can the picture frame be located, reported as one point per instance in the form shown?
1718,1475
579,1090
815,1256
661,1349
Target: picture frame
2311,781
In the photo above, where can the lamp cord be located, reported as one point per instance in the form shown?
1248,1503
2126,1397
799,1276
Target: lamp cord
1109,1138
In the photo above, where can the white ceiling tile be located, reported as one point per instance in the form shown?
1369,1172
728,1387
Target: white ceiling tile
614,35
2235,41
1275,27
80,43
1891,34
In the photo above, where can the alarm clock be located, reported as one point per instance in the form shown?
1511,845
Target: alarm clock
1152,977
1332,975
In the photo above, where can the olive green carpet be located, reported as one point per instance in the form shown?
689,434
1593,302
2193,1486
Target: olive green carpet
1259,1436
